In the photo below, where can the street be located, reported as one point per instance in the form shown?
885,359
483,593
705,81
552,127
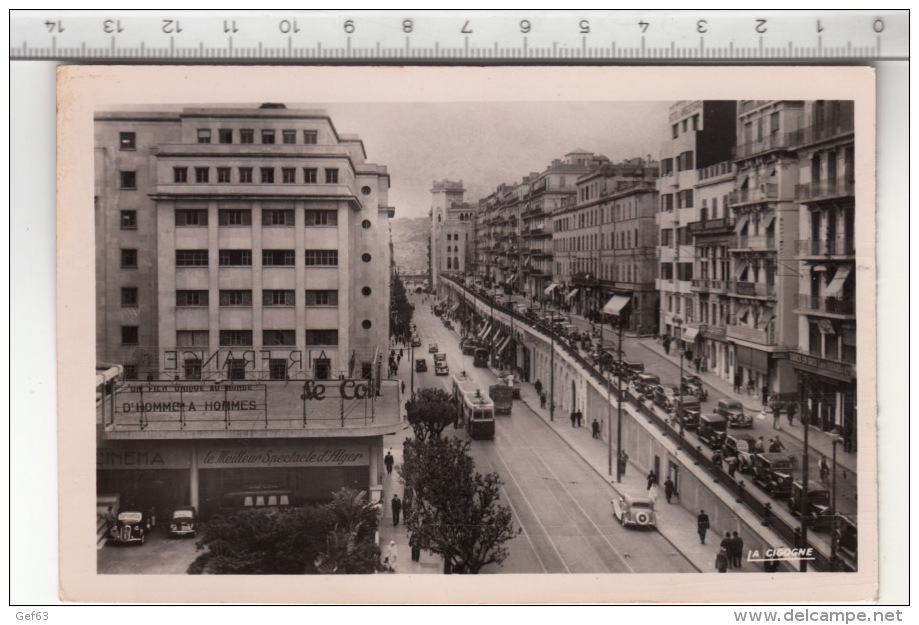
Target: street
159,555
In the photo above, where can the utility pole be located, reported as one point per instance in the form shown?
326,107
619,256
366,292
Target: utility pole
619,405
804,495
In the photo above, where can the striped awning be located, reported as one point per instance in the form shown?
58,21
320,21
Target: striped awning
503,345
550,288
834,288
615,305
485,331
690,333
571,294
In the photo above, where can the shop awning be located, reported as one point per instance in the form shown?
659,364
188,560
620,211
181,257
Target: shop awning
455,308
526,263
690,333
485,331
571,294
750,358
496,336
741,223
766,221
834,288
550,288
512,278
503,346
615,305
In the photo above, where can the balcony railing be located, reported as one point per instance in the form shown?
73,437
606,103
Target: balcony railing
831,305
753,335
824,190
752,289
712,286
712,226
764,193
713,171
825,130
775,141
584,279
761,242
713,331
836,246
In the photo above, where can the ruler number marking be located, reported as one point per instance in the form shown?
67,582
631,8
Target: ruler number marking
112,26
466,30
407,26
761,26
230,27
878,25
288,26
54,26
644,26
584,27
349,26
525,26
819,27
171,27
702,26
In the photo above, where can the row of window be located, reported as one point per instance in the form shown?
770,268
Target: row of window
130,335
243,258
236,369
243,217
247,135
243,297
245,175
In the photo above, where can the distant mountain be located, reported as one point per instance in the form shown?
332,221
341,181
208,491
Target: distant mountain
410,244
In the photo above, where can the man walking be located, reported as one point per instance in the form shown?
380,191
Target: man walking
652,479
574,418
623,462
396,509
388,461
737,551
702,524
595,428
669,489
727,546
538,387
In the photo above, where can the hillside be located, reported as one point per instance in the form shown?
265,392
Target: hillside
410,244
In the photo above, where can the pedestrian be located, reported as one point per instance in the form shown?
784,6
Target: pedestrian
595,428
702,524
392,557
652,479
623,462
750,386
737,554
737,381
667,345
388,460
760,446
765,394
654,494
579,416
721,561
538,387
574,418
669,489
695,362
776,447
403,387
727,546
414,543
790,413
775,418
732,465
110,520
542,400
396,509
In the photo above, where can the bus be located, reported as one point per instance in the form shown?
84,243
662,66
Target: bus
462,384
479,414
480,357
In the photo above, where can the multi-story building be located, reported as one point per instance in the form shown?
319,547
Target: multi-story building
452,221
824,360
242,261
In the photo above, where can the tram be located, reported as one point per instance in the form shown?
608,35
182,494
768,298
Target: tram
462,385
479,414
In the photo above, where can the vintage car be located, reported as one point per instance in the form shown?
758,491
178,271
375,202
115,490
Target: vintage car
742,447
634,510
421,365
432,348
131,526
440,357
441,368
687,410
772,473
184,522
468,346
628,369
692,385
816,512
733,411
712,430
645,383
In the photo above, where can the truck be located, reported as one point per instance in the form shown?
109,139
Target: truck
503,397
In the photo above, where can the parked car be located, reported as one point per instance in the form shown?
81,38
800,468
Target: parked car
184,522
816,511
468,346
441,368
416,341
131,525
645,383
421,365
772,473
432,348
687,411
629,369
742,447
733,411
712,430
692,385
634,510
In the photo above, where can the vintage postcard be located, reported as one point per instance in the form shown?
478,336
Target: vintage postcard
484,335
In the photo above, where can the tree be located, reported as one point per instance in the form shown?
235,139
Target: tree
430,412
350,546
455,510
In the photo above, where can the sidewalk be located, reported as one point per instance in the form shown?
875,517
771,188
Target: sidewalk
818,440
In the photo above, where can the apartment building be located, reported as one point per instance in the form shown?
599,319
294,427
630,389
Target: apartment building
452,221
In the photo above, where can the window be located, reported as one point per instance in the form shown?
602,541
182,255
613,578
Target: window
202,174
322,298
277,369
192,368
288,175
191,217
288,137
236,368
266,175
278,298
234,217
322,337
321,258
245,175
247,136
277,217
128,179
127,141
223,175
237,258
667,202
666,237
235,337
268,136
204,135
191,258
321,218
279,337
310,175
279,257
684,161
666,271
684,271
695,122
310,137
191,298
131,372
129,335
128,258
684,199
331,176
129,220
322,368
129,297
180,174
225,135
192,338
676,131
235,297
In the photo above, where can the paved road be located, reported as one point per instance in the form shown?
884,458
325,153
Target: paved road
159,555
561,503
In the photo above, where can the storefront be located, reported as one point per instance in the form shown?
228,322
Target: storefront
828,392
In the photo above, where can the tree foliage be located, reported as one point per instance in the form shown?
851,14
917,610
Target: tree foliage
350,546
430,412
401,311
455,510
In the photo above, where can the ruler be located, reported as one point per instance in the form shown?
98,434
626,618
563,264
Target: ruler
512,36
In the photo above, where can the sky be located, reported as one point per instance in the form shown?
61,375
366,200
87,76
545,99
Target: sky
486,144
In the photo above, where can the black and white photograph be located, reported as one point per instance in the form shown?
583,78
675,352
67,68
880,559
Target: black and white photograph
602,328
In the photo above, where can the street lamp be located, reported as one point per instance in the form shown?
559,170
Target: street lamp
834,528
619,405
678,322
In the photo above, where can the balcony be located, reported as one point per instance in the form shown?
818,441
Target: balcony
584,279
766,192
752,335
761,242
751,289
710,286
713,332
825,130
722,225
775,141
830,305
842,368
717,170
836,246
825,190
